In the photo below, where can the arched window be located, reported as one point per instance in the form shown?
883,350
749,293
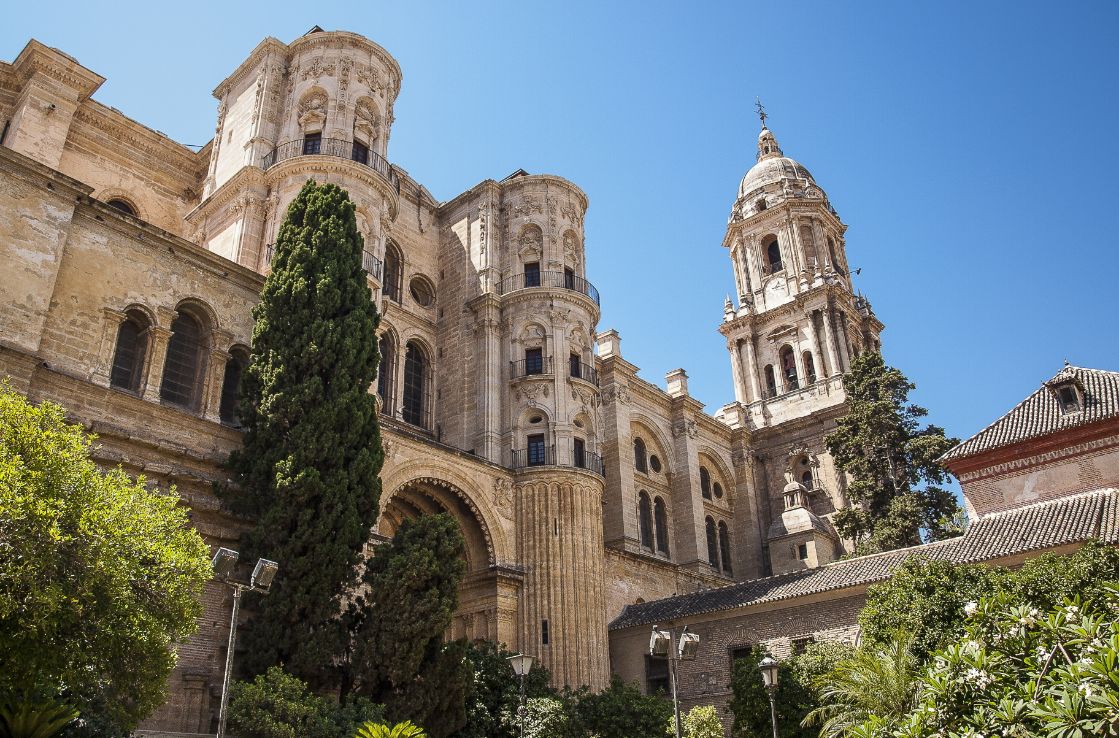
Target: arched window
712,544
789,368
809,368
640,458
394,274
705,483
386,373
806,479
660,513
183,367
231,386
415,385
645,519
724,546
132,349
834,260
773,256
123,205
770,381
808,240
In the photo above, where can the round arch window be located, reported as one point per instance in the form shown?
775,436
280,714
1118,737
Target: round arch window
422,291
122,205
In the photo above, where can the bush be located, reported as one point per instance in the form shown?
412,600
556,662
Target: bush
699,722
279,705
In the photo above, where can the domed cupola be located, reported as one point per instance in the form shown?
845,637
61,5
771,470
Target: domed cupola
773,179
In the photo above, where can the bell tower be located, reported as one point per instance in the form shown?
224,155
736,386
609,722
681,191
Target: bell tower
798,322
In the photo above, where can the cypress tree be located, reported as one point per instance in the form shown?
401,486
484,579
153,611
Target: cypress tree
307,474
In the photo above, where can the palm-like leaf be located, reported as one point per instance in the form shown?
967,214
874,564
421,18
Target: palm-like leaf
878,679
34,719
400,730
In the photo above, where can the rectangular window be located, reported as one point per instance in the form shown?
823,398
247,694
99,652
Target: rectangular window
534,361
656,675
312,143
536,450
360,152
532,274
579,452
802,552
574,366
545,636
568,279
800,645
737,653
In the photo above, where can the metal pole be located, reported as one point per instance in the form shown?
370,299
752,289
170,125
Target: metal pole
773,708
522,710
672,677
229,659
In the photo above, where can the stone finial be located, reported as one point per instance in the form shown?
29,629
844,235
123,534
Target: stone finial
609,344
728,309
677,381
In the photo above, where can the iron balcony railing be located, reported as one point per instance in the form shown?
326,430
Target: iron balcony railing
341,148
544,455
586,372
371,264
530,367
560,280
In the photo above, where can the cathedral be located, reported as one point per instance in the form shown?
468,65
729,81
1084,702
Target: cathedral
130,266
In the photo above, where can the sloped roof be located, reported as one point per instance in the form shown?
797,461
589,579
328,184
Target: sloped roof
1033,528
1040,413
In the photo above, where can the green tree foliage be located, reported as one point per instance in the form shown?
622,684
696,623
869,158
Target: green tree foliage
796,695
279,705
892,460
876,679
399,657
100,576
400,730
927,598
545,717
619,711
495,693
35,719
307,474
1020,671
699,722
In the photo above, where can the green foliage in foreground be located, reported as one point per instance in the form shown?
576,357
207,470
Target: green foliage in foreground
307,475
699,722
100,576
279,705
619,711
400,730
495,693
1019,671
796,693
39,719
927,598
897,481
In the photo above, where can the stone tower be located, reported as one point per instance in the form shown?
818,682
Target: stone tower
797,325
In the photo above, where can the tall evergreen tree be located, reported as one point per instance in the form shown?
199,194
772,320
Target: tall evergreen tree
896,478
308,471
399,657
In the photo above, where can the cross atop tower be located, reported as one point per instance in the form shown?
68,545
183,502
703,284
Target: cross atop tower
761,110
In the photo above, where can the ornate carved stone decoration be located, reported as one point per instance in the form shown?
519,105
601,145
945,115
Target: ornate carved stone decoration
503,496
685,426
368,76
532,242
570,247
527,207
318,69
616,392
573,214
367,121
312,108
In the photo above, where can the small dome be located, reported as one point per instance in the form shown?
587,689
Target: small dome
768,171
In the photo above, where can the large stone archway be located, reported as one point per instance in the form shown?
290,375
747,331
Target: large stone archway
490,591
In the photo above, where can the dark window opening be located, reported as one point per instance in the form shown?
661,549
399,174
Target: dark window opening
545,635
579,453
532,274
655,463
132,348
800,645
802,552
809,368
574,366
705,482
536,450
415,385
806,480
231,388
724,547
386,370
182,369
394,275
718,490
1068,399
640,461
712,544
660,515
312,143
656,675
770,381
534,361
123,206
360,153
738,653
645,520
569,279
773,256
789,368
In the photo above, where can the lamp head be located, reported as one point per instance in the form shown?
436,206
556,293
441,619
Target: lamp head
660,642
688,646
263,574
224,561
521,664
768,667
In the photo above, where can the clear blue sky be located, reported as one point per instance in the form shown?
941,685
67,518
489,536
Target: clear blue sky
971,147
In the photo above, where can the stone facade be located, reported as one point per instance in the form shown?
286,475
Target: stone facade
580,487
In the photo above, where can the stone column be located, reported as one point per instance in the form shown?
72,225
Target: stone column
101,373
829,338
215,378
736,366
491,387
843,340
752,368
160,335
814,348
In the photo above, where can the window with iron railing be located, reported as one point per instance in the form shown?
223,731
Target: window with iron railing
534,361
532,274
312,144
537,450
360,153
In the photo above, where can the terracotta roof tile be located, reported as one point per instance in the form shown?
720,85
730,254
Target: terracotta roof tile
1034,528
1040,413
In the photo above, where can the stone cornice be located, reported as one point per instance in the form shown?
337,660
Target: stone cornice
230,190
36,58
787,208
794,308
32,172
530,294
173,155
322,164
268,44
512,185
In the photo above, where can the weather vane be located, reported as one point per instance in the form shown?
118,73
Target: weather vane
761,111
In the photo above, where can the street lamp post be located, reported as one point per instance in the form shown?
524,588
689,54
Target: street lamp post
522,665
769,668
685,648
263,573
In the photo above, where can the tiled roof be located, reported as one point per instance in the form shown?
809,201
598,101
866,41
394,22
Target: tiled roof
1033,528
1040,413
